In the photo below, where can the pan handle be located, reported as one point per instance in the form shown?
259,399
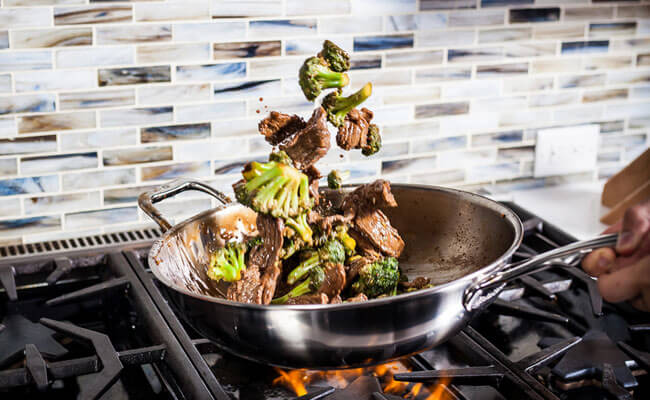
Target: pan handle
483,290
147,200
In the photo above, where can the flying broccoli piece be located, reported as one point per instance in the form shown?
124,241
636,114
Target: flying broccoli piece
332,251
338,107
274,188
281,157
315,75
335,178
337,58
378,278
374,141
227,262
300,226
309,285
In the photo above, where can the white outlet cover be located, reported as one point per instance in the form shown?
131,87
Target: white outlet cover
566,150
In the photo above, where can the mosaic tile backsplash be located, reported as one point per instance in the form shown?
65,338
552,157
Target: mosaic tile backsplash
101,100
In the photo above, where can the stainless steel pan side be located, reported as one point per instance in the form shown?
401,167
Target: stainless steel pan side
462,241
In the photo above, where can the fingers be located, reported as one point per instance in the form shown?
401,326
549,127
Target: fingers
614,228
599,261
636,223
627,283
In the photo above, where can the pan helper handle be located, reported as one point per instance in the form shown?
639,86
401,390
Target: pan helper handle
147,200
482,291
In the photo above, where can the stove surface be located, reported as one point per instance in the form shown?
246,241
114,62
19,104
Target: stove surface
86,319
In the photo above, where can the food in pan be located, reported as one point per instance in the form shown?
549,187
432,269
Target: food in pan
307,249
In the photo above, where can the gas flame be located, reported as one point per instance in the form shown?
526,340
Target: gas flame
298,380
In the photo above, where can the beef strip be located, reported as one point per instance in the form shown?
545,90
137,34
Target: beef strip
371,195
417,283
326,222
319,298
375,226
355,266
336,300
364,246
260,278
278,126
357,298
311,143
314,175
353,134
334,280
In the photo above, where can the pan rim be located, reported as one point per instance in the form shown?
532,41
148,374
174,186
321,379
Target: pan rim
500,262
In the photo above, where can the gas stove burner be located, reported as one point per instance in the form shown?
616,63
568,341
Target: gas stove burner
586,362
8,281
19,332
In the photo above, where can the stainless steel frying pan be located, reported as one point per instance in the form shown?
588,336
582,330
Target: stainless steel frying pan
462,241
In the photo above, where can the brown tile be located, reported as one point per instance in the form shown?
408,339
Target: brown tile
247,49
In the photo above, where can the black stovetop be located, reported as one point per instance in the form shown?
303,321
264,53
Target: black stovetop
85,319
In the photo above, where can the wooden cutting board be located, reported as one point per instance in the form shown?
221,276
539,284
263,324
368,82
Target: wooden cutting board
628,187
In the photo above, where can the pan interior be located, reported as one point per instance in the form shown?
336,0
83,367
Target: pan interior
448,234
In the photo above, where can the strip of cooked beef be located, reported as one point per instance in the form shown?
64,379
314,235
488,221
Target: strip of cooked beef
311,143
314,175
353,134
319,298
355,265
259,280
369,196
375,226
334,280
417,283
357,298
364,246
326,222
278,126
336,300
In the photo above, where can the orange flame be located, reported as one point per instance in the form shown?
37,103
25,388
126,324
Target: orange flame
439,392
296,380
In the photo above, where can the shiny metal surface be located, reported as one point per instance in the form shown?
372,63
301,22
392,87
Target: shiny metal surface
462,241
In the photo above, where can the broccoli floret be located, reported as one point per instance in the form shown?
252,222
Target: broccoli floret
374,141
332,251
274,188
300,226
337,58
281,157
227,262
335,178
309,285
378,278
338,107
315,75
341,234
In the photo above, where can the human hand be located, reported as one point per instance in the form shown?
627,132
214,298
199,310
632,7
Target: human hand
624,272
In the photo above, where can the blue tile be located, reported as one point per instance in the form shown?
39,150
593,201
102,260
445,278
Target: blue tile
62,162
234,166
36,184
440,144
247,88
27,103
497,138
210,71
368,43
584,47
101,217
534,14
32,144
25,60
411,165
365,62
282,27
500,3
174,132
17,227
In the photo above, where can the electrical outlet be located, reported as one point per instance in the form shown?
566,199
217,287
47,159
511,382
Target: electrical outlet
566,150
